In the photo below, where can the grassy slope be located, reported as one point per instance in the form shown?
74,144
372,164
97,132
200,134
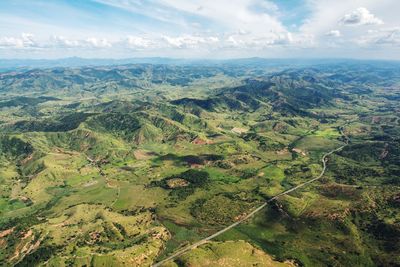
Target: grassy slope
101,179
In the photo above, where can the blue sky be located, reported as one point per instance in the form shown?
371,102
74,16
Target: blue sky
200,29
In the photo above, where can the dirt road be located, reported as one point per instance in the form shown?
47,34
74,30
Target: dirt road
251,214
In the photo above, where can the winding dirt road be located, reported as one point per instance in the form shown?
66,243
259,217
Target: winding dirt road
251,214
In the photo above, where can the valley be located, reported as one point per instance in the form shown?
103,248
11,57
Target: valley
233,163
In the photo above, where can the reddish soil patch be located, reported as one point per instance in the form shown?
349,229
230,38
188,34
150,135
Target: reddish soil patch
143,155
199,141
177,182
282,152
196,166
6,232
299,151
238,130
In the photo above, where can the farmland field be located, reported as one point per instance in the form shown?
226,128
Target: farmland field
124,165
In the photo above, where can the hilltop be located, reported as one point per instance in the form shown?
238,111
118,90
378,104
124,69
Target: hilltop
124,163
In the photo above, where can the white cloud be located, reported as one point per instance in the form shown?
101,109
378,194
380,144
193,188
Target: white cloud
61,41
26,40
386,37
333,33
391,37
211,28
189,41
137,42
91,42
155,9
11,42
97,43
248,15
251,42
360,16
327,16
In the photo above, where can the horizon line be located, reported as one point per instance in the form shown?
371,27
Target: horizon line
199,58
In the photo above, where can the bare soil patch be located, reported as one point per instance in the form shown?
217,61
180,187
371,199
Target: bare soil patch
143,155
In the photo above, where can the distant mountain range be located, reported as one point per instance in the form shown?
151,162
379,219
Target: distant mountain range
12,64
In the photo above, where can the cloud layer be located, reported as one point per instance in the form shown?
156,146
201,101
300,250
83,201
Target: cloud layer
360,16
194,28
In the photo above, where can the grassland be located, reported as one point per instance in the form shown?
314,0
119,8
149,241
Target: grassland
139,161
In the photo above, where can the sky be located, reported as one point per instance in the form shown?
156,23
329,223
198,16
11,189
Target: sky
211,29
